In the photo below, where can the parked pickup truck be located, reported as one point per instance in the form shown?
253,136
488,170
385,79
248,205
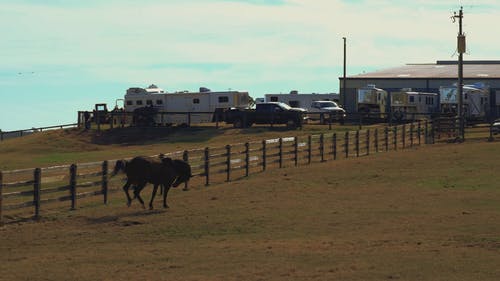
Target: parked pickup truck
265,113
326,111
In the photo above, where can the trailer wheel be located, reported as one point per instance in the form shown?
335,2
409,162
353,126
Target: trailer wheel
291,124
238,123
398,115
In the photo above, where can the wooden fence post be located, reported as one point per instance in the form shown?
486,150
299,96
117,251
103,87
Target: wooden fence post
346,144
334,144
376,140
36,191
322,147
386,138
78,120
280,147
412,127
396,138
433,130
403,133
207,166
247,159
264,155
72,185
490,138
296,150
97,119
105,181
419,129
357,143
309,149
426,132
1,198
112,120
368,142
185,158
228,166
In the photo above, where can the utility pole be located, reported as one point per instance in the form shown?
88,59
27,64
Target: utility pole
343,92
461,50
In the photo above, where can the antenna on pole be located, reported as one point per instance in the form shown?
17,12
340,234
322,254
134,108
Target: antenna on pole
461,50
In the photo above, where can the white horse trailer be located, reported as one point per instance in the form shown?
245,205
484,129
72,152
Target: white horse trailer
408,104
475,100
294,99
184,107
371,100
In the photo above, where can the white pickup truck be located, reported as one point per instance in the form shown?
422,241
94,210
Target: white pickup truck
330,109
496,127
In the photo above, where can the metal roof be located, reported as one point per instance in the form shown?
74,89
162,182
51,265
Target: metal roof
440,69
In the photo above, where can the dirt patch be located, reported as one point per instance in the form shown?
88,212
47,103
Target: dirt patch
132,135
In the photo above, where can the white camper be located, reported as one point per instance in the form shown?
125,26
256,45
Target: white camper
475,100
200,105
294,99
408,104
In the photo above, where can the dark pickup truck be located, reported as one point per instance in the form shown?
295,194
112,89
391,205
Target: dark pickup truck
265,113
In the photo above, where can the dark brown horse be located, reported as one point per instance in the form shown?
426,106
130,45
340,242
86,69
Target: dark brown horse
143,170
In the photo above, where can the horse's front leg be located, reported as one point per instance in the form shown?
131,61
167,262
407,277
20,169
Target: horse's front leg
165,193
137,193
125,189
155,188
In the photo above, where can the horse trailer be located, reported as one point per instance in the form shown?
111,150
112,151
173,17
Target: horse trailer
183,107
407,104
371,100
475,100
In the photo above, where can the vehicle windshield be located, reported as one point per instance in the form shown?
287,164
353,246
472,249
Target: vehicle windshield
324,104
367,96
448,94
285,106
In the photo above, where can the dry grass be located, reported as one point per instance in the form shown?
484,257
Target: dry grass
431,213
77,146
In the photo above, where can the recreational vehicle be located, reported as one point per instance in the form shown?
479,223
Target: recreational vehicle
408,104
183,107
371,100
475,100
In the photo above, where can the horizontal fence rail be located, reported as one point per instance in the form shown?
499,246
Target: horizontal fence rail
19,133
36,188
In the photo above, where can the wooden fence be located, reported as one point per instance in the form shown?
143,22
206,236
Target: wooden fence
20,133
36,188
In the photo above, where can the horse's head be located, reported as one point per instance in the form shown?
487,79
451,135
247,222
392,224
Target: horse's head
183,172
119,166
167,161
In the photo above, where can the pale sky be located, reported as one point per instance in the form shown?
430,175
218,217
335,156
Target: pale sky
61,56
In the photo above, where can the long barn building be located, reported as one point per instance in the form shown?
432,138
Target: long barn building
426,78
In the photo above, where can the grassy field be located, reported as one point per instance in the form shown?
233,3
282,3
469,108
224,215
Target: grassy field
430,213
77,146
